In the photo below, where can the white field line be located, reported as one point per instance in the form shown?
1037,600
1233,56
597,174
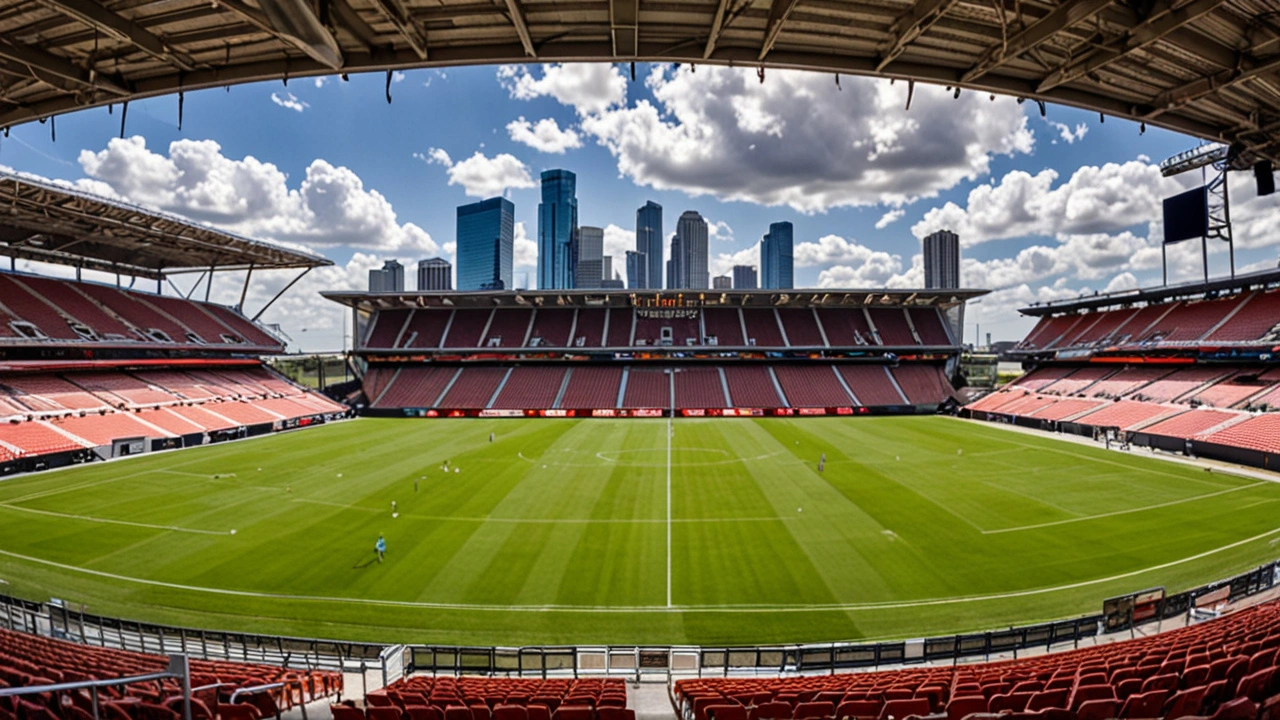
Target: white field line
670,431
609,609
1126,511
89,518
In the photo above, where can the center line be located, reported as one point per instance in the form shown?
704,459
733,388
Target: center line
669,433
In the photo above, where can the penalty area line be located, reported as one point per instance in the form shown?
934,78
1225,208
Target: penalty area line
608,609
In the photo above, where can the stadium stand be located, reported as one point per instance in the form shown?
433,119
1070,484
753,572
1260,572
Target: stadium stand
1224,669
646,388
476,698
871,385
531,387
32,660
733,350
1186,367
812,386
699,387
751,386
592,387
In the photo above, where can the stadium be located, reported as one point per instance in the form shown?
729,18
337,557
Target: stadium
602,504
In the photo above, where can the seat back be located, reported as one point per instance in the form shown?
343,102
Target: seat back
899,709
807,710
961,707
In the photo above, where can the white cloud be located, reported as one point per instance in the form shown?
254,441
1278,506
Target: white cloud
1123,281
544,135
719,230
320,81
290,101
617,241
1068,134
480,175
794,140
722,263
525,253
890,218
586,87
397,77
330,207
1094,199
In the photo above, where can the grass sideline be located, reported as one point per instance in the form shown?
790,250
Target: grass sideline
557,532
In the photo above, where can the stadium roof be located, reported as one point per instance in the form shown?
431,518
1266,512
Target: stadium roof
1210,68
51,223
1249,281
653,298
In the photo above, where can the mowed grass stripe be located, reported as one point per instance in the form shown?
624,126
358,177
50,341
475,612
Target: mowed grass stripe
879,549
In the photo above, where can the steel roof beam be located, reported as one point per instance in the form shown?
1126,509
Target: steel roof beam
1062,17
45,63
624,26
517,19
398,16
717,26
259,19
910,26
1248,69
779,10
1134,39
102,19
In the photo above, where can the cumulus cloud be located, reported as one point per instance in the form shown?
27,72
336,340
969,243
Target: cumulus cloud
586,87
289,101
1068,134
722,263
795,141
1094,199
329,207
890,218
719,230
544,135
525,253
617,241
480,175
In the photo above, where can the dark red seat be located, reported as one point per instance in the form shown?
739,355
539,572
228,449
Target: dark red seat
808,710
960,707
1145,704
383,712
1185,703
421,712
725,711
899,709
859,709
509,712
770,711
1103,709
622,713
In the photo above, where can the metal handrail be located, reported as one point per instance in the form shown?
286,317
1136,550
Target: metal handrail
179,669
257,689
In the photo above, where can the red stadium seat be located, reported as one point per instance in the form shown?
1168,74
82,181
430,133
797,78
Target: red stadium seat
383,712
807,710
346,712
1102,709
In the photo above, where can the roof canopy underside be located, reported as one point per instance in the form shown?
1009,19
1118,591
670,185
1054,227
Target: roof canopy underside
48,223
1210,68
1261,280
658,299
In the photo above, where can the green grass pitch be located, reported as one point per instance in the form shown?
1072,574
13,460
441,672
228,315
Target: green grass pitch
581,532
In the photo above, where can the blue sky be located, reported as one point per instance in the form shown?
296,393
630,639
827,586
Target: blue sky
1046,207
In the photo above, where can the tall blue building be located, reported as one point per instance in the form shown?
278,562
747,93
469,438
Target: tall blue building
486,244
557,221
649,244
777,271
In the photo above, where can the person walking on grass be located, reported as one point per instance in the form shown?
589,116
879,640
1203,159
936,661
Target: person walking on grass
380,547
822,462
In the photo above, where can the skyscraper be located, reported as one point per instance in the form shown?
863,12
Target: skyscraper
776,268
744,277
435,274
486,244
589,263
649,243
637,270
557,220
388,278
722,282
942,260
688,266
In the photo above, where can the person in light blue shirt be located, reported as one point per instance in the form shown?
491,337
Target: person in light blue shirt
380,547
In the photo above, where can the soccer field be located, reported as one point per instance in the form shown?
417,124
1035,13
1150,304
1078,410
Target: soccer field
627,531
